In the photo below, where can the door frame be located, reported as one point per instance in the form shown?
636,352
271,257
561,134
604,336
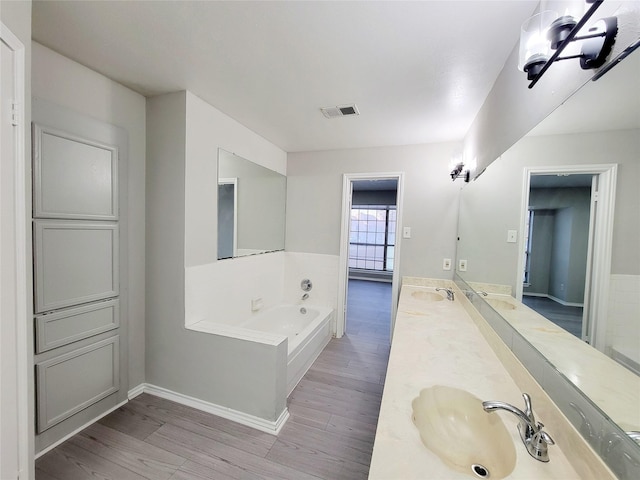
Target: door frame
24,379
343,269
598,273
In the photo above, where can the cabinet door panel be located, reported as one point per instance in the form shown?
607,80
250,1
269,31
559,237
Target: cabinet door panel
71,382
75,262
73,324
73,177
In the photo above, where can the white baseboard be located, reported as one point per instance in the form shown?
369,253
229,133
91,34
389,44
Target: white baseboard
77,430
551,297
272,427
135,391
566,304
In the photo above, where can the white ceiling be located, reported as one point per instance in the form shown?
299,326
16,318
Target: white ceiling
418,71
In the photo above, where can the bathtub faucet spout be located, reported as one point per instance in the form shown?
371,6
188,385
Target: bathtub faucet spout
305,296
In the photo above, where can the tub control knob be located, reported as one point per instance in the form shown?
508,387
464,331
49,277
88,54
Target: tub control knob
306,285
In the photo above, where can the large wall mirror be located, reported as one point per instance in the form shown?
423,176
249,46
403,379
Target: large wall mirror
251,207
529,229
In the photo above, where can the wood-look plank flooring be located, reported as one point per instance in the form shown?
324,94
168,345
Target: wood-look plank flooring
334,411
569,318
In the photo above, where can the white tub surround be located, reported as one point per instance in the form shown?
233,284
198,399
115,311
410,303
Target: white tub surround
222,291
438,343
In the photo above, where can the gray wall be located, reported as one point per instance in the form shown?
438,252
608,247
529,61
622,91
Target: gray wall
542,240
231,373
561,225
314,201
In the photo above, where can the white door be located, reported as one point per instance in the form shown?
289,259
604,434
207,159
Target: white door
14,456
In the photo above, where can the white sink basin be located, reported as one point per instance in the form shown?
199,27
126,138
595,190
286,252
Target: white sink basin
454,426
500,304
427,296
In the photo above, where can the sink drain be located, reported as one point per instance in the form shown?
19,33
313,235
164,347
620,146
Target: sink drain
480,471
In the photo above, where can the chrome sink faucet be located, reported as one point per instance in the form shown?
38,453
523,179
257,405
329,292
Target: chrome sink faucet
534,438
450,295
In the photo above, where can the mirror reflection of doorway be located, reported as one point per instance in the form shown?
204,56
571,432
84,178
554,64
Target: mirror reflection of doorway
557,249
227,217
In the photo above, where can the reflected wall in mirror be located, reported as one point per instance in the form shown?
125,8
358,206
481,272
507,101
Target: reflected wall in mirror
598,126
251,207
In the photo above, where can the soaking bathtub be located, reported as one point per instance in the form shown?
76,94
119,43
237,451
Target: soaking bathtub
307,330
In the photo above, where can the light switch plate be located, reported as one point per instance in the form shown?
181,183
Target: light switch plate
446,264
406,232
512,236
462,265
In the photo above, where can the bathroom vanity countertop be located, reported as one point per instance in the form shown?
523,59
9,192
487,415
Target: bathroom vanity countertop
437,343
581,363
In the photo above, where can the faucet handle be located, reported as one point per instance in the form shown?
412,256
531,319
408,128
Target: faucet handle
538,445
543,436
528,411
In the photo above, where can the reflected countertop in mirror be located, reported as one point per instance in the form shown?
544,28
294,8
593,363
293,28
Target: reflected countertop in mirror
251,207
599,125
589,369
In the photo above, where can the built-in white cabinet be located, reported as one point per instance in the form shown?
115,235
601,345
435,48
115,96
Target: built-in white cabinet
76,278
73,177
75,262
71,382
72,324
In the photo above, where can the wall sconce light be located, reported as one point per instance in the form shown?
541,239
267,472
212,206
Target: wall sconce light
459,171
544,36
461,165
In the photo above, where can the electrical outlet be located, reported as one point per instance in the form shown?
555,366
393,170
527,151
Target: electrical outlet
446,264
462,265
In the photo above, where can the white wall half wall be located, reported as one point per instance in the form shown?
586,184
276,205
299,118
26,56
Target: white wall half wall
222,292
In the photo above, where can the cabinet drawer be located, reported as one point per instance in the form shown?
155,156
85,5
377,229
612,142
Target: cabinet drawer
73,381
75,262
73,324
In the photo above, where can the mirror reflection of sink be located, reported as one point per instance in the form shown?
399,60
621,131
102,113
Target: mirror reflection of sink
500,304
454,426
427,296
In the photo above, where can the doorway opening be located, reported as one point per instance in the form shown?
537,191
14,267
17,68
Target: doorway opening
369,281
556,248
564,270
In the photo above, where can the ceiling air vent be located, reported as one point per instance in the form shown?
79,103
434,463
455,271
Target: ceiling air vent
340,111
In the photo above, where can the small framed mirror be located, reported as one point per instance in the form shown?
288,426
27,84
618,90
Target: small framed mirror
251,207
